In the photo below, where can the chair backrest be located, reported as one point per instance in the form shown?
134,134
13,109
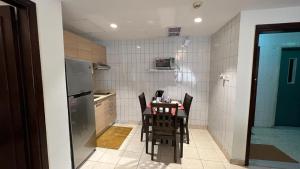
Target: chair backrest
187,103
165,116
159,93
143,102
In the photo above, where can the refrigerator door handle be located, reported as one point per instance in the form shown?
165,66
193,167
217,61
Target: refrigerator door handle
82,94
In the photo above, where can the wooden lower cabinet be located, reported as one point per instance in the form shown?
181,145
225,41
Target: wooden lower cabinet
105,113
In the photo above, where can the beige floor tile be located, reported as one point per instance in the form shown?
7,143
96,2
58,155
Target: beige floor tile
173,166
97,155
151,165
129,160
190,152
209,154
88,165
111,156
213,165
135,147
191,164
103,166
145,157
206,145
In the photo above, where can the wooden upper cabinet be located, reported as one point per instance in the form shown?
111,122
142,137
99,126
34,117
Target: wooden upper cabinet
82,48
99,54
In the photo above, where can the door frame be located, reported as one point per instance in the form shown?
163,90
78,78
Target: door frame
262,29
30,73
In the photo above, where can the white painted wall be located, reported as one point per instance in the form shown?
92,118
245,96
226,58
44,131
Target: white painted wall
268,74
249,19
129,74
54,83
223,60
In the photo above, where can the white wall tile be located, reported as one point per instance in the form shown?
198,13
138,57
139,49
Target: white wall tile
129,74
222,95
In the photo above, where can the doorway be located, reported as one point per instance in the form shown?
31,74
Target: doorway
22,122
288,96
273,116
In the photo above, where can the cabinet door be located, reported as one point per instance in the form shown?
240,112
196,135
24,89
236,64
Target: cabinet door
84,49
100,116
99,54
102,54
70,44
95,54
112,108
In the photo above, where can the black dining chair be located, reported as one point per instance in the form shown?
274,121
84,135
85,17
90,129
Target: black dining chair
165,125
143,104
187,106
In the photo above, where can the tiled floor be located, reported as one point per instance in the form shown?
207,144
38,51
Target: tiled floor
284,138
201,153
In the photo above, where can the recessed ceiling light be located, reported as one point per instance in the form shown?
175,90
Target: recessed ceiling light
198,20
139,47
113,25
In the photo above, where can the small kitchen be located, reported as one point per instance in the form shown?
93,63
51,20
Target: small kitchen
121,69
91,111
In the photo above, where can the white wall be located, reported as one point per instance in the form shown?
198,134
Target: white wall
224,54
54,82
268,74
244,70
130,76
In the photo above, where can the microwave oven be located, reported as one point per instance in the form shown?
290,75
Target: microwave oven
165,63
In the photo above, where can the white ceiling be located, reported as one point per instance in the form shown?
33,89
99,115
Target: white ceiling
138,19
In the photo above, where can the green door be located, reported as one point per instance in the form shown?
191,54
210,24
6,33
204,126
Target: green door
288,97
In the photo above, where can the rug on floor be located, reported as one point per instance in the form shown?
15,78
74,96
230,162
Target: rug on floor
113,137
270,153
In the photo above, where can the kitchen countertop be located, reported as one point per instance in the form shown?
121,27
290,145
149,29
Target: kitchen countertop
103,96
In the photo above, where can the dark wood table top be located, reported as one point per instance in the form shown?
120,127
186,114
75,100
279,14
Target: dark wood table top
180,113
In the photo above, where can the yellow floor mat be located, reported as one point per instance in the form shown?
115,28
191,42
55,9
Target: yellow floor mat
113,137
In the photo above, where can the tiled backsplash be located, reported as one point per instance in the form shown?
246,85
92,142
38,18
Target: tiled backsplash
224,54
130,62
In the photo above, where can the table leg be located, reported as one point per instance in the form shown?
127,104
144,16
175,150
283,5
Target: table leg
181,137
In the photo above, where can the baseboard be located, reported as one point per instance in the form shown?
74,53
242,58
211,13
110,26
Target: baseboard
237,162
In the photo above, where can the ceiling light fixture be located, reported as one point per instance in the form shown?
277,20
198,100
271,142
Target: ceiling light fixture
114,26
139,47
198,20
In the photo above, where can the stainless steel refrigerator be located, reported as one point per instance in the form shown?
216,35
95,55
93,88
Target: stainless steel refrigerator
81,110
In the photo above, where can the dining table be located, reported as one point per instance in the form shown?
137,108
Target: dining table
181,115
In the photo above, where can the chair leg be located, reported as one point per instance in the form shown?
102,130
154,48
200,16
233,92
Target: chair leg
187,134
181,138
152,149
142,133
147,138
175,150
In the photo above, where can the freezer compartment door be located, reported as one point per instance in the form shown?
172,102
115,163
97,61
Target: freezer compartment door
79,76
82,126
